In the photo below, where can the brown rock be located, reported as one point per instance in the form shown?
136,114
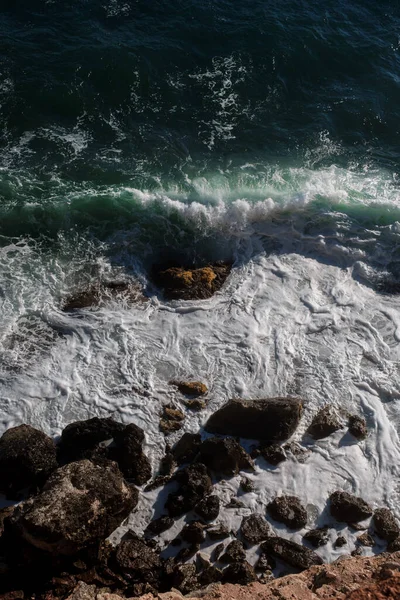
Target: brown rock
234,552
385,524
270,419
224,456
273,453
191,388
239,573
137,561
171,419
294,554
347,508
81,438
365,540
191,284
208,508
98,294
358,427
324,423
186,447
317,537
255,529
340,541
288,510
195,484
218,532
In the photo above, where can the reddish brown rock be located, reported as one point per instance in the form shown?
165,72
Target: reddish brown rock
179,283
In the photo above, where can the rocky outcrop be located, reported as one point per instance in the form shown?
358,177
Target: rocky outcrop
27,458
171,419
127,452
288,510
80,439
269,419
347,508
179,283
81,503
324,423
224,456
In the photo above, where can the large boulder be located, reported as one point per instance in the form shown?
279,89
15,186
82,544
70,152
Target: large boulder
347,508
224,456
191,284
269,419
385,524
128,453
27,458
80,504
294,554
288,510
186,447
80,439
324,423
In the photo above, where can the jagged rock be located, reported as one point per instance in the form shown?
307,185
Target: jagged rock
137,561
273,453
255,529
157,482
187,553
324,423
294,554
358,427
185,578
239,573
128,453
191,284
317,537
218,550
385,524
265,563
394,546
246,485
234,552
288,510
193,533
80,439
160,525
218,533
5,514
27,458
186,448
210,575
224,456
365,540
269,419
171,419
191,388
347,508
208,508
81,503
340,541
195,483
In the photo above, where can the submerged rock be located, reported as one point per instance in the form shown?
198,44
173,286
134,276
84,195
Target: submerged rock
27,458
80,504
294,554
191,388
234,552
358,427
288,510
255,529
179,283
224,456
171,419
160,525
324,423
385,524
269,419
347,508
98,294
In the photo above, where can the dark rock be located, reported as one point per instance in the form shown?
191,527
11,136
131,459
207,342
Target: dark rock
96,295
210,575
269,419
234,552
193,533
394,546
80,504
224,456
246,485
195,404
239,573
208,508
191,284
168,464
365,540
191,388
347,508
187,447
340,541
185,578
218,550
385,524
79,439
273,453
294,554
357,552
137,561
195,483
324,423
357,526
27,458
288,510
358,427
317,537
235,503
255,529
160,525
171,419
218,533
265,563
128,453
157,482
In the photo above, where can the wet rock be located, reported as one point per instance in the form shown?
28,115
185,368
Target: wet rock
129,455
255,529
235,503
137,561
157,482
218,532
5,514
246,485
273,453
80,439
288,510
239,573
224,456
294,554
186,448
194,483
218,550
160,525
98,294
366,540
234,552
80,504
179,283
193,533
27,458
269,419
195,404
191,388
171,419
208,508
358,526
347,508
324,423
358,427
317,537
385,524
340,541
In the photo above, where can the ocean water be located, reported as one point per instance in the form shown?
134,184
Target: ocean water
264,133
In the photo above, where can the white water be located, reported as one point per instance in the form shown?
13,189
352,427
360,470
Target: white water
293,322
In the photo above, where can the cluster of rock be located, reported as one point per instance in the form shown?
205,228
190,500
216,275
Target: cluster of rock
76,493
